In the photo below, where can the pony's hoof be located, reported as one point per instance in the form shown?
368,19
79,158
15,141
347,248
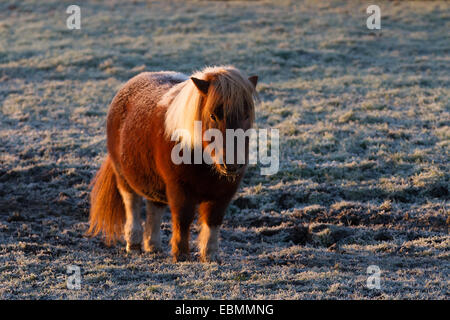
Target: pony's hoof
134,249
181,257
152,248
210,258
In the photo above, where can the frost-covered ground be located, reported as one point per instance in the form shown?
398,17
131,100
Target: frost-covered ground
365,137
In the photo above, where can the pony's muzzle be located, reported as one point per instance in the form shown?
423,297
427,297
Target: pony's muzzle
232,169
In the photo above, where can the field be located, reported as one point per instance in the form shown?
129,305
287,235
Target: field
364,120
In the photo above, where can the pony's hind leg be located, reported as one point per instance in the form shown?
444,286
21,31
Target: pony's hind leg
152,229
133,225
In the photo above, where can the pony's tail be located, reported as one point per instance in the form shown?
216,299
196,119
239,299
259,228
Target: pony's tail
107,214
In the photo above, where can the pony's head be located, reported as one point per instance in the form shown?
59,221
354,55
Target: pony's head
221,98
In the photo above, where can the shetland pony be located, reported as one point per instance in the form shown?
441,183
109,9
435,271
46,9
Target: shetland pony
141,120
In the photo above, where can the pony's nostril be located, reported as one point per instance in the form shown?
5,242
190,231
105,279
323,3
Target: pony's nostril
233,167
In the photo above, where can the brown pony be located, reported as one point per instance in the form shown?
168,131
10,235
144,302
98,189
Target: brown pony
141,122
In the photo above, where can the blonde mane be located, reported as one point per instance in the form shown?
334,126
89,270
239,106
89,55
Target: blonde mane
227,86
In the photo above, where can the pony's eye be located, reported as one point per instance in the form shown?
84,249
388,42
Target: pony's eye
213,117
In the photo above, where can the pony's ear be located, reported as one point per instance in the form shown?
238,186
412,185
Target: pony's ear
201,85
253,80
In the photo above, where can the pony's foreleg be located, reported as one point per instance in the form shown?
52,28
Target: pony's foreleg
183,211
133,226
181,222
152,229
211,216
209,243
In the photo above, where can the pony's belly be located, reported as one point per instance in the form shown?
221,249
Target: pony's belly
149,186
156,196
140,174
